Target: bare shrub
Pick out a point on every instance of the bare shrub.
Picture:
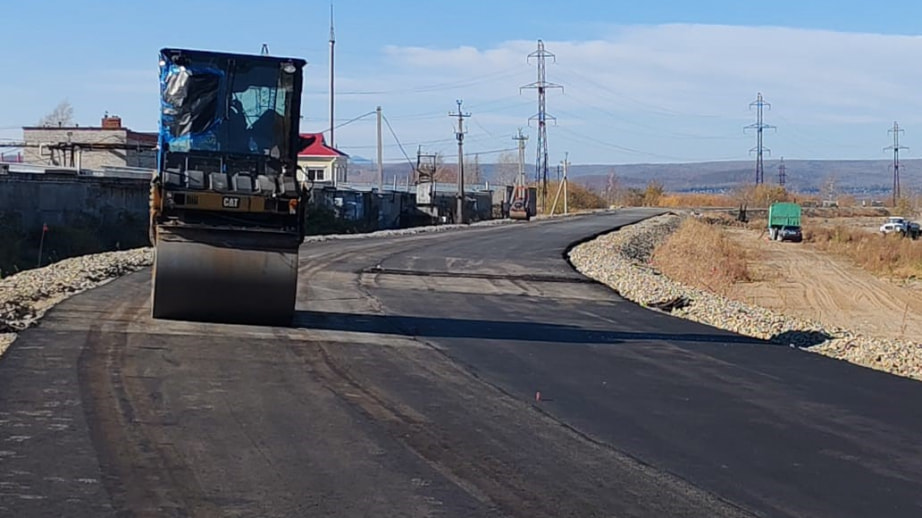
(700, 255)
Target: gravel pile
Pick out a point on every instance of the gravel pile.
(621, 260)
(26, 296)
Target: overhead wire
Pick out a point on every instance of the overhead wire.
(387, 122)
(350, 121)
(650, 107)
(453, 85)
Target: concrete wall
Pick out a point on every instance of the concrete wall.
(62, 200)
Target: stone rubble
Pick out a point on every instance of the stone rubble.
(27, 295)
(621, 260)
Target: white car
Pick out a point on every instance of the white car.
(891, 227)
(901, 225)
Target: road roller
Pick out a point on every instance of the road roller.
(518, 206)
(227, 198)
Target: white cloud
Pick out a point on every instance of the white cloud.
(682, 76)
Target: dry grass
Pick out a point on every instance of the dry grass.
(696, 200)
(890, 255)
(579, 198)
(699, 254)
(846, 212)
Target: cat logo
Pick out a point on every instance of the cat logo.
(231, 202)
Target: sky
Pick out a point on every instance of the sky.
(642, 82)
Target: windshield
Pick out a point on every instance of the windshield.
(227, 104)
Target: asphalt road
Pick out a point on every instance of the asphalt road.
(407, 388)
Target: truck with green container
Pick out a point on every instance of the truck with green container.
(784, 222)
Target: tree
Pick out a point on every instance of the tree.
(505, 169)
(444, 173)
(472, 173)
(612, 188)
(62, 115)
(653, 193)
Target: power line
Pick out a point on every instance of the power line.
(759, 126)
(452, 85)
(388, 123)
(896, 147)
(491, 152)
(542, 85)
(658, 109)
(459, 134)
(583, 137)
(350, 121)
(782, 173)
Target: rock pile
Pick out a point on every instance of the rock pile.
(26, 296)
(621, 260)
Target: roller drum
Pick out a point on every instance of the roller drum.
(230, 276)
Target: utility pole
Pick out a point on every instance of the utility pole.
(380, 153)
(542, 116)
(459, 134)
(782, 173)
(522, 140)
(332, 44)
(562, 186)
(566, 169)
(759, 126)
(896, 147)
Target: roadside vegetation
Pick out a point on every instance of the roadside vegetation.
(699, 254)
(578, 198)
(887, 255)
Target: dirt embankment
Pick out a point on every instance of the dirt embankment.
(787, 293)
(797, 279)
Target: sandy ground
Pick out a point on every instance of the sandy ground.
(797, 280)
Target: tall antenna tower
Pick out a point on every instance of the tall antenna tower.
(896, 147)
(332, 45)
(542, 116)
(759, 126)
(782, 173)
(264, 51)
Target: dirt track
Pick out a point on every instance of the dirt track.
(797, 280)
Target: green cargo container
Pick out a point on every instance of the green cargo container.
(784, 221)
(784, 215)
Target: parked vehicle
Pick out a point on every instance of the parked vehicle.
(784, 222)
(790, 234)
(902, 226)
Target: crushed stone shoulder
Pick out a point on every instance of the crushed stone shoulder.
(27, 295)
(621, 260)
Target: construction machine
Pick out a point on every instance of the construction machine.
(227, 199)
(519, 206)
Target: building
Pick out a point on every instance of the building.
(109, 145)
(320, 162)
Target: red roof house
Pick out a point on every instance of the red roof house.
(320, 161)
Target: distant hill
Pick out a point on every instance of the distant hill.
(868, 177)
(849, 176)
